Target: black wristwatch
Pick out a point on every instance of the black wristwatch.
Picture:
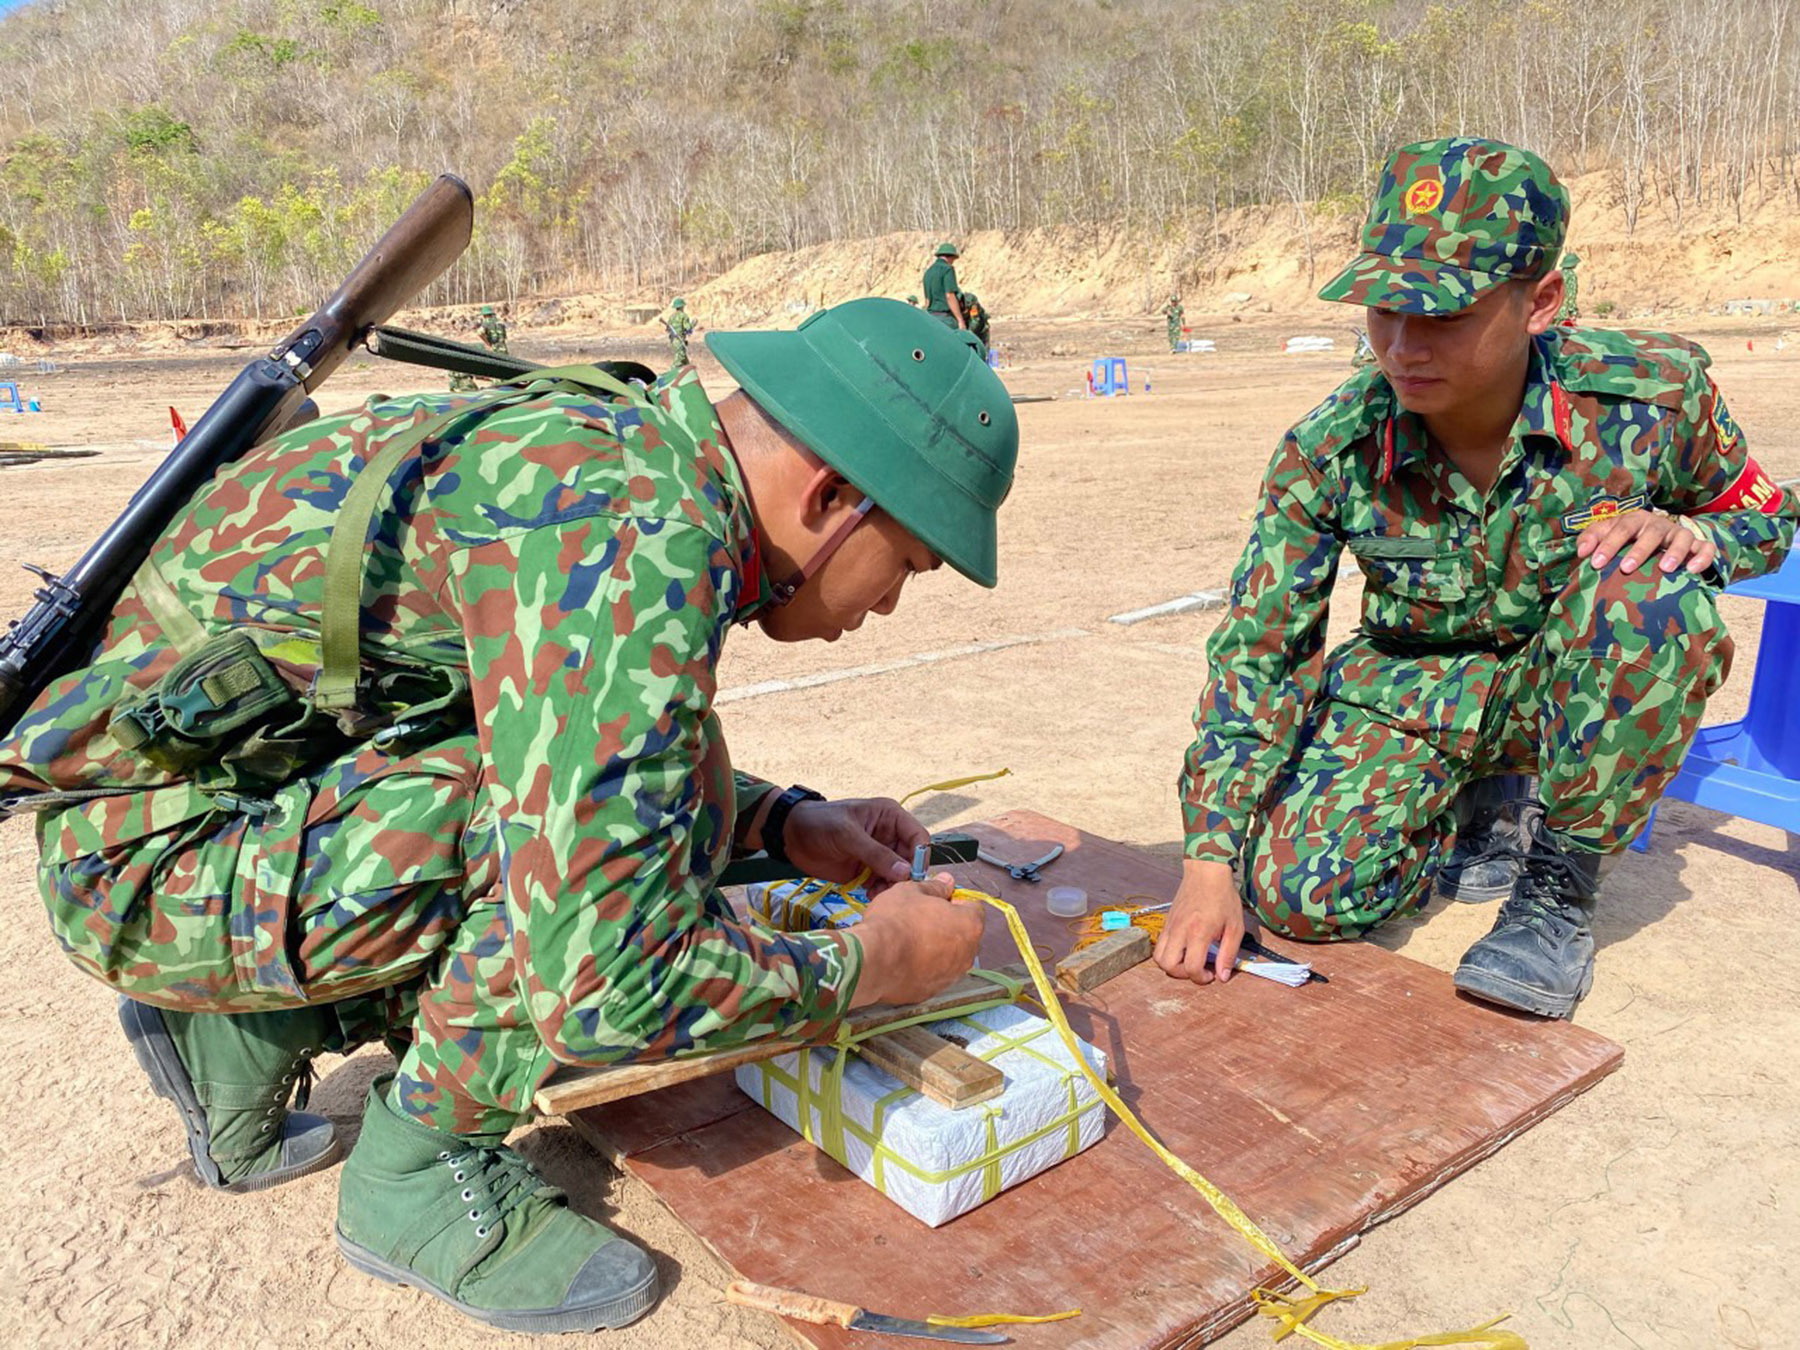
(775, 823)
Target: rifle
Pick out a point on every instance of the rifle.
(268, 396)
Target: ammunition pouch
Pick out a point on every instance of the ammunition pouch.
(227, 720)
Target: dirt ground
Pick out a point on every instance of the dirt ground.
(1656, 1211)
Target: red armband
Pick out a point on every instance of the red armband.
(1751, 490)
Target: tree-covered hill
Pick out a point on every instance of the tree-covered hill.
(163, 158)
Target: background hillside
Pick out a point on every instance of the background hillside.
(198, 158)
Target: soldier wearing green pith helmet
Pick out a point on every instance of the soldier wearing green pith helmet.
(407, 732)
(680, 326)
(1543, 517)
(1570, 313)
(943, 300)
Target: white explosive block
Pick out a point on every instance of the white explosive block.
(933, 1162)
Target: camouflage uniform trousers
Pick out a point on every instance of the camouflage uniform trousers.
(1603, 704)
(374, 886)
(678, 349)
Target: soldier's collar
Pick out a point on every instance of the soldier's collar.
(1544, 412)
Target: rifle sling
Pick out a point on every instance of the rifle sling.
(347, 552)
(425, 349)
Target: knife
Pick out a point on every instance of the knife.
(824, 1312)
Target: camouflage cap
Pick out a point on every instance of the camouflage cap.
(1452, 219)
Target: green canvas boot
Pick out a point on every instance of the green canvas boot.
(230, 1077)
(1539, 956)
(1483, 864)
(470, 1221)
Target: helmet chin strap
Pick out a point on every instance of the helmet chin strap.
(784, 591)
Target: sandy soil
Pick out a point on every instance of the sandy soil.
(1657, 1211)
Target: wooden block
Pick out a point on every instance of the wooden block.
(929, 1064)
(573, 1089)
(1112, 955)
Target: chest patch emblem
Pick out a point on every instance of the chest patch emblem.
(1601, 509)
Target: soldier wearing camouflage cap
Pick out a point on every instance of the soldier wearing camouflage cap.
(1543, 518)
(407, 730)
(943, 298)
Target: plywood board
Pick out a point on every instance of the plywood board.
(1321, 1110)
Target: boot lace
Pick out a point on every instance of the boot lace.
(494, 1181)
(1545, 898)
(299, 1080)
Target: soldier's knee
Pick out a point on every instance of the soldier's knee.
(1666, 618)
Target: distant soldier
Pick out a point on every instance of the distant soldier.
(1364, 355)
(1173, 313)
(975, 315)
(942, 298)
(1570, 313)
(493, 330)
(493, 335)
(678, 323)
(913, 300)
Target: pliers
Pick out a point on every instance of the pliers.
(1027, 871)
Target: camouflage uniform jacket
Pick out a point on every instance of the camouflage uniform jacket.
(493, 333)
(572, 564)
(1610, 422)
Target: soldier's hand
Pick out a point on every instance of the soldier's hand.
(837, 840)
(915, 941)
(1642, 535)
(1206, 910)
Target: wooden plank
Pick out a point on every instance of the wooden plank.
(1111, 956)
(1321, 1110)
(576, 1089)
(927, 1063)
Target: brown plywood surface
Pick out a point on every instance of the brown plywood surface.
(1322, 1111)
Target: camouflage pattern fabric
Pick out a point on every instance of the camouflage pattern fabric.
(1483, 643)
(537, 869)
(1602, 703)
(1173, 313)
(1452, 219)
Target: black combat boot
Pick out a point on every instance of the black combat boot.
(1483, 864)
(1539, 958)
(230, 1077)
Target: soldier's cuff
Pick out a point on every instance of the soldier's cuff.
(839, 967)
(1210, 835)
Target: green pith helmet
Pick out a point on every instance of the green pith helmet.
(678, 303)
(1571, 259)
(947, 250)
(912, 299)
(488, 310)
(901, 405)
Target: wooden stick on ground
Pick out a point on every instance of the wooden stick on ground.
(572, 1089)
(1112, 955)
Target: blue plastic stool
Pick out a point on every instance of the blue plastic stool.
(1109, 376)
(1751, 768)
(10, 397)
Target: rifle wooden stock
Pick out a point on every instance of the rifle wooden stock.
(267, 396)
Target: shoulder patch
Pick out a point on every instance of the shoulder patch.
(1349, 413)
(1636, 364)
